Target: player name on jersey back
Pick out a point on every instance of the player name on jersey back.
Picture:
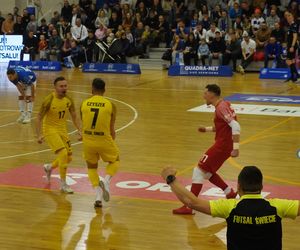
(95, 104)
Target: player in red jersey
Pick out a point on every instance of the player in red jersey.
(226, 144)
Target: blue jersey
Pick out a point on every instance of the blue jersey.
(25, 76)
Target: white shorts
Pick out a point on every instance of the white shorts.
(28, 89)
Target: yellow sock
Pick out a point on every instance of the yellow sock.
(63, 163)
(112, 168)
(93, 176)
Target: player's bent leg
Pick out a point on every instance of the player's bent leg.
(95, 181)
(22, 105)
(62, 156)
(219, 182)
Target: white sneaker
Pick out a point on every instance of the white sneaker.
(105, 188)
(65, 188)
(21, 117)
(27, 118)
(48, 171)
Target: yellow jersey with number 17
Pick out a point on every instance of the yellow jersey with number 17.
(96, 113)
(54, 111)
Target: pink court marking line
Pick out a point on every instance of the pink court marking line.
(124, 184)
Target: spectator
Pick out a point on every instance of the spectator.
(64, 28)
(216, 14)
(30, 46)
(273, 50)
(141, 40)
(136, 20)
(25, 18)
(50, 30)
(152, 22)
(256, 20)
(101, 18)
(194, 21)
(278, 33)
(199, 33)
(233, 51)
(15, 13)
(66, 48)
(293, 9)
(247, 25)
(143, 11)
(262, 36)
(55, 19)
(235, 11)
(204, 11)
(224, 23)
(66, 11)
(238, 24)
(19, 27)
(75, 16)
(212, 3)
(85, 4)
(246, 9)
(7, 27)
(217, 49)
(190, 51)
(42, 48)
(182, 31)
(1, 21)
(156, 8)
(129, 36)
(43, 29)
(128, 21)
(211, 33)
(79, 31)
(177, 46)
(248, 49)
(114, 22)
(203, 51)
(89, 45)
(162, 32)
(54, 46)
(100, 33)
(272, 19)
(206, 21)
(125, 46)
(32, 25)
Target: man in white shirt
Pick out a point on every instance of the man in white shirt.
(248, 49)
(211, 33)
(79, 31)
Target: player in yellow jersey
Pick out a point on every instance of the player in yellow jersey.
(98, 116)
(52, 127)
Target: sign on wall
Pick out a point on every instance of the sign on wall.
(10, 47)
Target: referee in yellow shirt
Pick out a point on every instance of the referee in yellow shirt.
(253, 223)
(98, 116)
(52, 127)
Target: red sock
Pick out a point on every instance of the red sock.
(196, 188)
(218, 181)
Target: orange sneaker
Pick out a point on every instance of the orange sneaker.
(231, 195)
(183, 210)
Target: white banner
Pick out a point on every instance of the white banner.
(249, 109)
(10, 47)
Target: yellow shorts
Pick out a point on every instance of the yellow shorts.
(58, 141)
(106, 150)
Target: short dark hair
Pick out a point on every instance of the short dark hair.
(214, 88)
(98, 84)
(250, 179)
(10, 72)
(58, 79)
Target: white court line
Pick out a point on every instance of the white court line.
(77, 143)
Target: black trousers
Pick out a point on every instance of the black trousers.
(231, 56)
(246, 63)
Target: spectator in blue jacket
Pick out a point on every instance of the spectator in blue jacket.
(273, 50)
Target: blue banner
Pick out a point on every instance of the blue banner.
(269, 73)
(113, 68)
(264, 98)
(37, 65)
(184, 70)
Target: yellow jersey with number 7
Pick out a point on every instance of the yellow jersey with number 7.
(96, 115)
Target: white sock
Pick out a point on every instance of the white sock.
(227, 190)
(30, 107)
(99, 193)
(62, 183)
(22, 106)
(107, 178)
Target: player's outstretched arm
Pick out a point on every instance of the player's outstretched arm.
(184, 195)
(203, 129)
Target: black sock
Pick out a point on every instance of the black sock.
(294, 73)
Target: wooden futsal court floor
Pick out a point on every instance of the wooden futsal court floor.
(155, 129)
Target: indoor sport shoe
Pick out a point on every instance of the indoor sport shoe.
(27, 118)
(183, 210)
(231, 195)
(105, 188)
(48, 171)
(66, 189)
(21, 117)
(97, 204)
